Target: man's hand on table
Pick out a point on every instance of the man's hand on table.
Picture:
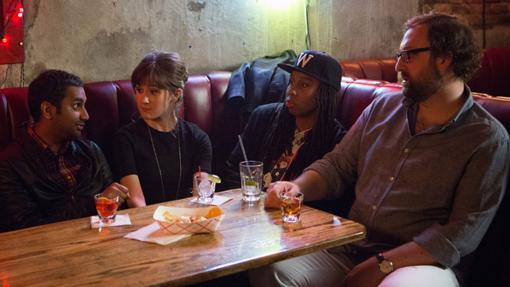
(272, 199)
(117, 189)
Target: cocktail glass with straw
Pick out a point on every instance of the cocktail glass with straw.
(251, 177)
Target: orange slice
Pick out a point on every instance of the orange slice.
(214, 211)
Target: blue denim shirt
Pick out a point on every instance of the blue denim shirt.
(440, 188)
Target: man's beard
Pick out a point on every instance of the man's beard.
(422, 87)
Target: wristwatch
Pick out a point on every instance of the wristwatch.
(385, 265)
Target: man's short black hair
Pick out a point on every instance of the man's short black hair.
(49, 86)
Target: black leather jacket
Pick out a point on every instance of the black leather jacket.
(259, 82)
(28, 197)
(255, 83)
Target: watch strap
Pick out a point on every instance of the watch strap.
(380, 257)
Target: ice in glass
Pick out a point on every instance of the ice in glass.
(251, 179)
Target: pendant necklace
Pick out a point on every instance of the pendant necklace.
(159, 166)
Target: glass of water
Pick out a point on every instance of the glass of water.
(251, 179)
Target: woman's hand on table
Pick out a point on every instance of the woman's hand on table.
(275, 190)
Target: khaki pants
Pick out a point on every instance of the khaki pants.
(324, 269)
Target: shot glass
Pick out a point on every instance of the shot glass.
(205, 188)
(106, 206)
(251, 180)
(291, 202)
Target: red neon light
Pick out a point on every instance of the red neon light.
(11, 24)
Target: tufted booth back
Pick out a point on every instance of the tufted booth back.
(492, 78)
(111, 105)
(374, 69)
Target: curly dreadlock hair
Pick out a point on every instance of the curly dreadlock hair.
(281, 133)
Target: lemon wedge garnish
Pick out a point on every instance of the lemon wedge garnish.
(250, 182)
(214, 178)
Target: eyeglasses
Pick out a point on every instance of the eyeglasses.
(406, 54)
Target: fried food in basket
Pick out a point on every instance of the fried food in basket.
(182, 219)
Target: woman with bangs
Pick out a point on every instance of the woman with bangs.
(157, 155)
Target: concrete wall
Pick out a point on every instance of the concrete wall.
(350, 29)
(496, 36)
(105, 39)
(100, 39)
(497, 18)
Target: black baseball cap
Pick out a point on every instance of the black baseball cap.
(319, 65)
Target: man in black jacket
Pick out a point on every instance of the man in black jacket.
(289, 136)
(51, 174)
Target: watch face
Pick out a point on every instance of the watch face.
(386, 266)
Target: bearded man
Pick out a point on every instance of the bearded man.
(428, 166)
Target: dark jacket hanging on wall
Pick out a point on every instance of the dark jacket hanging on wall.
(252, 84)
(259, 82)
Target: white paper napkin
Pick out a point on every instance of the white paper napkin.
(217, 200)
(153, 233)
(120, 219)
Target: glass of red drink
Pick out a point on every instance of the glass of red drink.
(291, 202)
(106, 206)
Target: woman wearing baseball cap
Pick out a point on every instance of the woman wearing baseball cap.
(289, 136)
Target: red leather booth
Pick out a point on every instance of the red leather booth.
(492, 78)
(111, 105)
(373, 69)
(494, 75)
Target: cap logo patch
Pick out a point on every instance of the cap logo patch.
(304, 59)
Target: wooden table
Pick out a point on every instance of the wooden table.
(71, 253)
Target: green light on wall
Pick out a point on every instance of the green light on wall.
(294, 8)
(279, 5)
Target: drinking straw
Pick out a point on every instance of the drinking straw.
(244, 153)
(242, 147)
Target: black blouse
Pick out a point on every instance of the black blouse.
(179, 153)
